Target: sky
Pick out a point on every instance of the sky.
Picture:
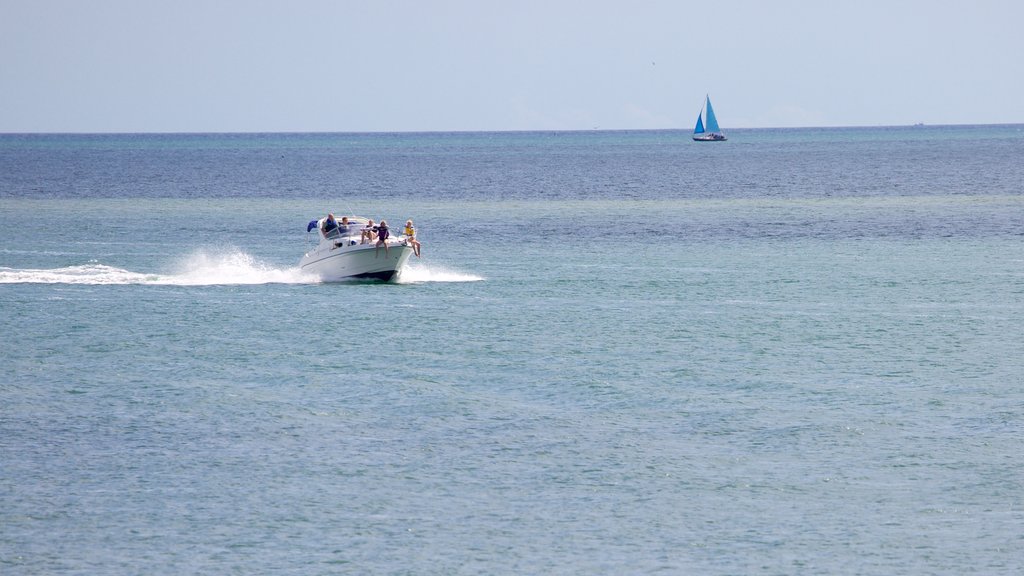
(468, 65)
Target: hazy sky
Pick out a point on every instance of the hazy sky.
(404, 65)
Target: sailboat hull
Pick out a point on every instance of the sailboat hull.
(710, 138)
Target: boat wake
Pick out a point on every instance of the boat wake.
(417, 273)
(203, 268)
(200, 268)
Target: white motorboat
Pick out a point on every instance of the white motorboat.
(344, 253)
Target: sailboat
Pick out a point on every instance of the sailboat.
(713, 133)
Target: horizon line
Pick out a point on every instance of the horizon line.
(481, 131)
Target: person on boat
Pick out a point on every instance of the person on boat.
(382, 238)
(329, 224)
(343, 226)
(410, 237)
(369, 232)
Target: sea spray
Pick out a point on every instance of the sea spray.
(208, 268)
(91, 273)
(200, 268)
(417, 273)
(203, 268)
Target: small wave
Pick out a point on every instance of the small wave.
(416, 273)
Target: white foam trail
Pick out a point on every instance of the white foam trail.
(415, 273)
(198, 269)
(235, 267)
(86, 274)
(203, 268)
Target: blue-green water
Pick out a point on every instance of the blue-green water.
(796, 352)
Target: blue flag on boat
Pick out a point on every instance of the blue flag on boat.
(311, 225)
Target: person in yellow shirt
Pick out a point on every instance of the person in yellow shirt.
(410, 237)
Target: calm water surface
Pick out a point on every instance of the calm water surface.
(796, 352)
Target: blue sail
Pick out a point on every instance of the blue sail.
(712, 121)
(699, 129)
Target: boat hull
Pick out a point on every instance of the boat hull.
(710, 138)
(337, 261)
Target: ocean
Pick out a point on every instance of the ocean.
(799, 351)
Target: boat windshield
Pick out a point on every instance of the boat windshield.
(343, 231)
